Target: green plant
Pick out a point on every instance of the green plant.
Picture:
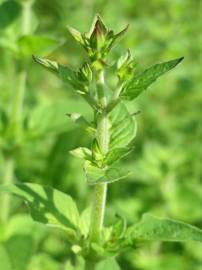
(113, 129)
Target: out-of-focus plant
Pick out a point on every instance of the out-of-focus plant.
(112, 129)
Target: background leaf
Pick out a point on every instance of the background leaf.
(5, 259)
(108, 264)
(35, 44)
(9, 11)
(20, 249)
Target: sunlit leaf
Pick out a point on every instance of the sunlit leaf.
(82, 152)
(95, 175)
(116, 154)
(47, 205)
(143, 80)
(123, 127)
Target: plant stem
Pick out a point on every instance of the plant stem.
(100, 192)
(8, 178)
(18, 99)
(15, 121)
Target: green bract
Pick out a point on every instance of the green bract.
(112, 128)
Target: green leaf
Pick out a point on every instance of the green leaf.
(76, 34)
(97, 155)
(116, 154)
(142, 81)
(47, 205)
(163, 229)
(123, 127)
(119, 227)
(47, 64)
(9, 11)
(77, 80)
(82, 152)
(95, 175)
(110, 264)
(117, 37)
(33, 44)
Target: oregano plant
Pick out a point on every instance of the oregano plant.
(112, 129)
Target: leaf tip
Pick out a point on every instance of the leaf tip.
(180, 59)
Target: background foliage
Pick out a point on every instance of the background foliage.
(166, 160)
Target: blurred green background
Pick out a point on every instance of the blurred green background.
(166, 161)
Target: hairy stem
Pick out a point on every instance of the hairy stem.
(100, 192)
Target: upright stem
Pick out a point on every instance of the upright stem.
(18, 99)
(7, 178)
(100, 190)
(19, 93)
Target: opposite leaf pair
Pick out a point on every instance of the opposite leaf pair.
(54, 208)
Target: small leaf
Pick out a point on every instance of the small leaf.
(123, 127)
(125, 67)
(78, 119)
(96, 152)
(79, 80)
(33, 44)
(76, 34)
(119, 227)
(47, 205)
(163, 229)
(82, 122)
(46, 63)
(142, 81)
(99, 31)
(95, 175)
(116, 154)
(82, 152)
(99, 24)
(117, 37)
(70, 76)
